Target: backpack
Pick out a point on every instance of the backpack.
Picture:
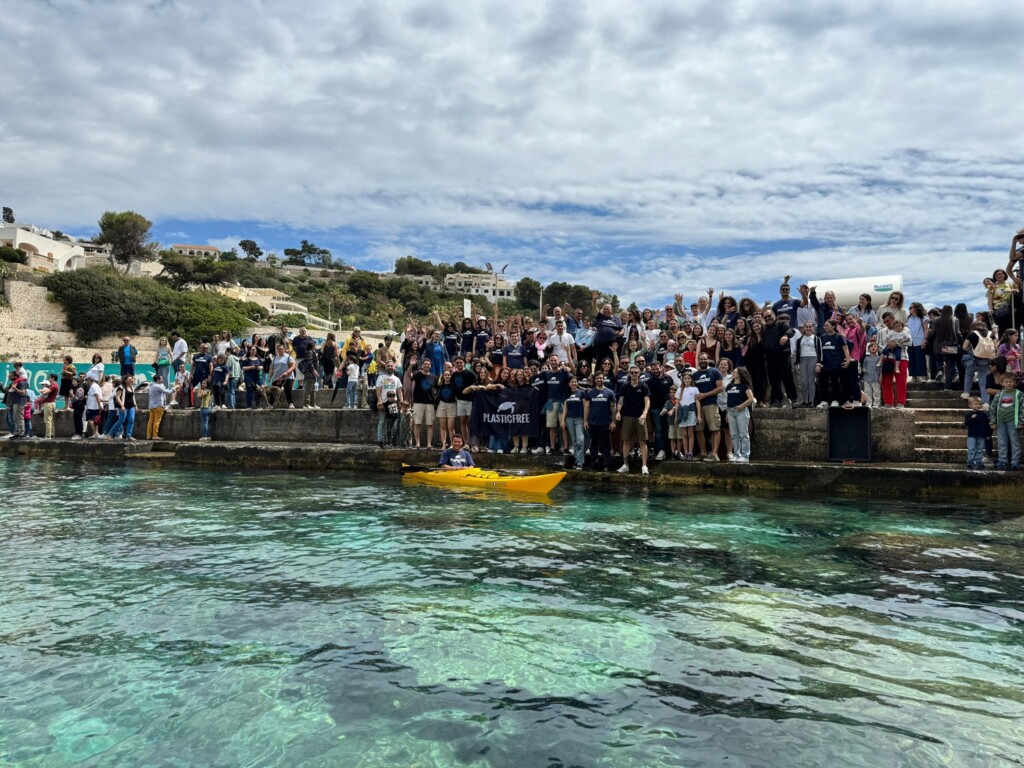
(985, 349)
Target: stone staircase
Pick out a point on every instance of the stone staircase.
(939, 435)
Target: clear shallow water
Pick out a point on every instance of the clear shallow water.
(182, 617)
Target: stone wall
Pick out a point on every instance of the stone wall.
(779, 435)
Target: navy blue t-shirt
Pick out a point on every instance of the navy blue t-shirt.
(736, 393)
(482, 337)
(558, 384)
(706, 380)
(201, 368)
(832, 350)
(220, 374)
(540, 384)
(574, 404)
(452, 339)
(467, 342)
(601, 403)
(607, 328)
(453, 458)
(787, 306)
(515, 355)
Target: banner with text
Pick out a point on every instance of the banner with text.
(506, 413)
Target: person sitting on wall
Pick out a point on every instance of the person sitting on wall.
(456, 457)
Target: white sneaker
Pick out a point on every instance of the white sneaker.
(538, 451)
(291, 407)
(730, 457)
(659, 457)
(823, 404)
(835, 403)
(965, 395)
(644, 470)
(623, 470)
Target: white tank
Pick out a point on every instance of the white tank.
(849, 289)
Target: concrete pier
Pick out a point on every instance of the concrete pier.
(796, 478)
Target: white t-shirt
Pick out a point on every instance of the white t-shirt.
(352, 369)
(559, 345)
(95, 373)
(388, 383)
(687, 395)
(180, 350)
(92, 400)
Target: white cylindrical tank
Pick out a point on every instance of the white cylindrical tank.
(849, 289)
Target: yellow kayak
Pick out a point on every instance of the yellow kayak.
(473, 477)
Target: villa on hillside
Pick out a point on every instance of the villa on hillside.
(490, 284)
(209, 251)
(47, 253)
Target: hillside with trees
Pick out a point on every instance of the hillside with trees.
(100, 301)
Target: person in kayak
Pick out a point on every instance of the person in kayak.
(456, 457)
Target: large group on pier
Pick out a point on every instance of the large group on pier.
(681, 380)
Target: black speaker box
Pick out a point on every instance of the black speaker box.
(849, 434)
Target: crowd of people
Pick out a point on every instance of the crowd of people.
(681, 381)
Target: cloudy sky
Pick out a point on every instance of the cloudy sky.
(643, 148)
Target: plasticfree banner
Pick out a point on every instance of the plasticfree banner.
(506, 413)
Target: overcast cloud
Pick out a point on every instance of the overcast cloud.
(700, 143)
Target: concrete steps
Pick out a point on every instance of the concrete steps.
(939, 434)
(941, 455)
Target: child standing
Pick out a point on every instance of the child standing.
(873, 376)
(392, 414)
(1005, 417)
(687, 415)
(976, 421)
(690, 355)
(352, 385)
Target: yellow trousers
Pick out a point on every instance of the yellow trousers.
(156, 415)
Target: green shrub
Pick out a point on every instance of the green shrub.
(291, 319)
(99, 302)
(13, 255)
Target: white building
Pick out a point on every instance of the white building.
(209, 251)
(424, 281)
(45, 253)
(491, 284)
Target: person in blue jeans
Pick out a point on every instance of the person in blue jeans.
(115, 412)
(572, 421)
(204, 402)
(128, 425)
(1004, 415)
(976, 422)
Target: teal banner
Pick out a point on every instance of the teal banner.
(38, 372)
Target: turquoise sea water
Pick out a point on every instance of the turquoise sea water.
(184, 618)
